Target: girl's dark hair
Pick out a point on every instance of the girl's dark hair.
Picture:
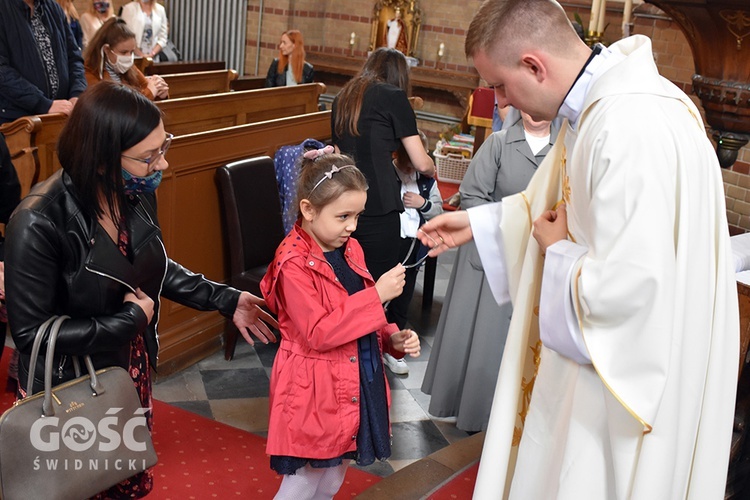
(384, 65)
(112, 32)
(312, 171)
(108, 118)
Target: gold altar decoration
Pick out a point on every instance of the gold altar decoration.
(398, 19)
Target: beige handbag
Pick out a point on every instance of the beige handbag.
(76, 439)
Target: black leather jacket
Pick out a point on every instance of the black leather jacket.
(276, 79)
(59, 261)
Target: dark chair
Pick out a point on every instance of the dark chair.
(252, 215)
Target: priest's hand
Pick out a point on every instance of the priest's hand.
(551, 227)
(250, 318)
(445, 231)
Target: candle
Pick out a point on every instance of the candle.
(351, 39)
(626, 12)
(602, 16)
(595, 4)
(441, 49)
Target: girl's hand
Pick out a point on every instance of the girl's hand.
(406, 341)
(413, 200)
(144, 301)
(391, 283)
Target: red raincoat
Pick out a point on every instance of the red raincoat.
(314, 394)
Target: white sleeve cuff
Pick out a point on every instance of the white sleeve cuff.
(556, 302)
(485, 225)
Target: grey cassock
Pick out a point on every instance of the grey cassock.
(470, 337)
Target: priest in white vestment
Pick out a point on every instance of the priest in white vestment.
(619, 375)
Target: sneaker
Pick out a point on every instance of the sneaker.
(397, 366)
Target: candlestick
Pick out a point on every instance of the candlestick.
(352, 39)
(441, 50)
(627, 11)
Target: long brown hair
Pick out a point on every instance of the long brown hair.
(69, 9)
(384, 65)
(112, 32)
(298, 55)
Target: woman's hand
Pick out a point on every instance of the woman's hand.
(144, 301)
(391, 283)
(158, 87)
(406, 341)
(249, 317)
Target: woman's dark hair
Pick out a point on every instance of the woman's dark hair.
(320, 195)
(112, 32)
(108, 118)
(384, 65)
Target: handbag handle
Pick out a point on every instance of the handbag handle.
(55, 322)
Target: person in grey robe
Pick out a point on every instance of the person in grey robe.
(470, 337)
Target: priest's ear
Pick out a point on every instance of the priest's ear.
(535, 65)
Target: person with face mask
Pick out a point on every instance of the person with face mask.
(86, 243)
(110, 56)
(94, 18)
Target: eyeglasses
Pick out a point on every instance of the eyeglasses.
(154, 157)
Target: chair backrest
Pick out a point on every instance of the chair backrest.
(252, 212)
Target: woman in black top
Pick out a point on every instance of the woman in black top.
(371, 119)
(290, 68)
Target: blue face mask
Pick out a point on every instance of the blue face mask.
(138, 185)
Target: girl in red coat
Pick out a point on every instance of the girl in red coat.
(329, 396)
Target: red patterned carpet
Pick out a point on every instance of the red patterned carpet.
(201, 458)
(460, 487)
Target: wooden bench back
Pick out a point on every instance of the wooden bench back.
(172, 67)
(196, 114)
(200, 83)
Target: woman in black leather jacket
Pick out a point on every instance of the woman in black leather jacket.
(86, 243)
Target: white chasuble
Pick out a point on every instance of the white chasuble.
(655, 298)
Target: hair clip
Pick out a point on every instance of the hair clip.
(315, 153)
(329, 174)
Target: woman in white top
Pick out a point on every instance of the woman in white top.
(148, 20)
(92, 19)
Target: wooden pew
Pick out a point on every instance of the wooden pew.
(249, 83)
(36, 134)
(196, 114)
(23, 152)
(170, 68)
(190, 217)
(181, 116)
(200, 82)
